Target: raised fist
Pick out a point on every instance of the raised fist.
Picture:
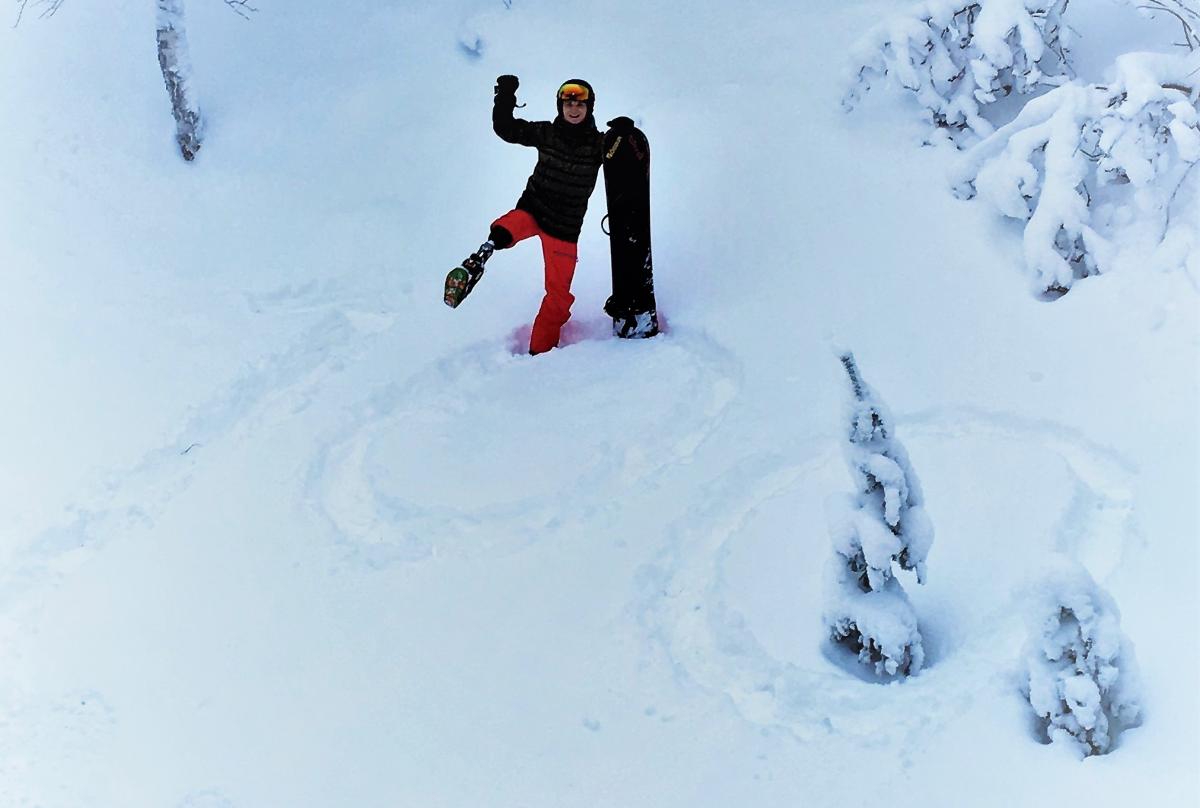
(507, 85)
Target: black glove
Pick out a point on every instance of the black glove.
(621, 126)
(507, 85)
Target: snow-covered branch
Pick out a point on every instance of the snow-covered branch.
(48, 8)
(1185, 12)
(882, 524)
(958, 56)
(242, 8)
(1066, 163)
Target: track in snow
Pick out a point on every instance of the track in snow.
(479, 450)
(733, 602)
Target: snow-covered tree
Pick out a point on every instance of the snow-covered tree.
(881, 525)
(958, 56)
(1081, 676)
(174, 61)
(176, 66)
(1085, 158)
(1081, 163)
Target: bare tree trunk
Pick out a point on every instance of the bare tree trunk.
(176, 67)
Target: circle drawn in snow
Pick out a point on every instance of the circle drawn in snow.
(513, 441)
(528, 435)
(736, 598)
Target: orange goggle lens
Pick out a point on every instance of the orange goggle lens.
(573, 92)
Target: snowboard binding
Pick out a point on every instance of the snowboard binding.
(632, 322)
(462, 279)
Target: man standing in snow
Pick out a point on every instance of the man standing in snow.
(570, 153)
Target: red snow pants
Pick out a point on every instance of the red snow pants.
(560, 257)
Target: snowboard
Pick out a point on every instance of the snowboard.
(627, 189)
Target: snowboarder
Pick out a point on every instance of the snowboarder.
(570, 153)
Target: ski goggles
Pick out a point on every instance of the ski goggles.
(573, 92)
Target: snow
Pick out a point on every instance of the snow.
(279, 528)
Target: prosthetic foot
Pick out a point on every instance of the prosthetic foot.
(462, 279)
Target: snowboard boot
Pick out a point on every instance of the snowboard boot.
(462, 279)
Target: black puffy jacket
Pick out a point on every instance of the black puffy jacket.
(569, 160)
